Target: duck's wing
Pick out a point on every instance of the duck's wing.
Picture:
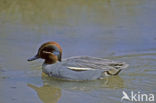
(80, 68)
(84, 63)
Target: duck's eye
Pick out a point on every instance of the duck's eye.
(48, 50)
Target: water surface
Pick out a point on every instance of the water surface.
(121, 30)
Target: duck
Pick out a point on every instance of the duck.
(77, 68)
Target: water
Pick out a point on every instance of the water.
(121, 30)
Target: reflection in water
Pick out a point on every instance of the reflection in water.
(46, 93)
(114, 82)
(107, 82)
(51, 91)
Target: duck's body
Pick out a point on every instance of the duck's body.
(83, 68)
(76, 68)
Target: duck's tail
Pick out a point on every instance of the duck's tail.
(115, 68)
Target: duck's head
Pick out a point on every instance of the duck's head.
(51, 52)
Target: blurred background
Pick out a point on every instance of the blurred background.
(122, 30)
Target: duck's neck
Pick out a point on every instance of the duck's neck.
(44, 66)
(49, 61)
(47, 68)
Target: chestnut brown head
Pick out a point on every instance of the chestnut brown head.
(50, 51)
